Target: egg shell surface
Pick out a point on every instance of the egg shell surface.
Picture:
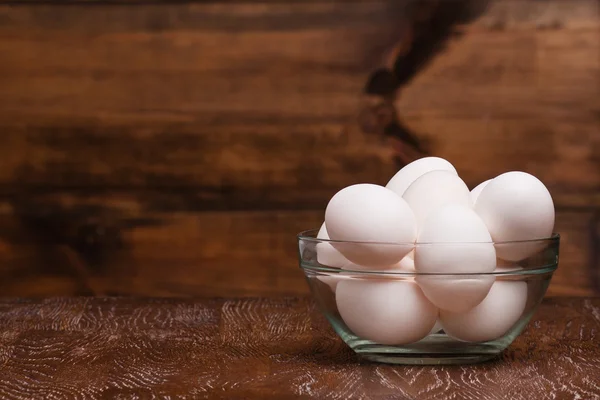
(490, 319)
(406, 265)
(436, 328)
(455, 293)
(433, 190)
(327, 254)
(506, 266)
(477, 190)
(410, 172)
(454, 239)
(516, 206)
(384, 311)
(366, 213)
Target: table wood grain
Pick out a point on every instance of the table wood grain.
(117, 348)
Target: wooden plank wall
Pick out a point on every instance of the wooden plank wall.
(177, 148)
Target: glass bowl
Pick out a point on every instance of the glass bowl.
(396, 315)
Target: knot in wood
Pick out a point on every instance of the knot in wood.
(376, 115)
(95, 241)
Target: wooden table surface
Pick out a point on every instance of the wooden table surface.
(116, 348)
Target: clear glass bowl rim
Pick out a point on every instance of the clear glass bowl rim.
(310, 236)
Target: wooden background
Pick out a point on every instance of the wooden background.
(175, 149)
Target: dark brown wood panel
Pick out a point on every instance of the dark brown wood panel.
(131, 251)
(203, 136)
(224, 100)
(277, 348)
(232, 166)
(595, 251)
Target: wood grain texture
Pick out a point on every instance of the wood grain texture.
(595, 253)
(280, 348)
(267, 98)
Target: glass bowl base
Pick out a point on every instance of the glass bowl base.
(427, 359)
(436, 349)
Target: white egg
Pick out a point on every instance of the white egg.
(436, 328)
(371, 213)
(477, 190)
(454, 240)
(330, 280)
(405, 266)
(409, 173)
(348, 272)
(407, 263)
(455, 293)
(492, 318)
(322, 234)
(327, 254)
(385, 311)
(516, 206)
(506, 266)
(434, 190)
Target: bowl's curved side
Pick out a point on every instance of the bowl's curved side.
(437, 347)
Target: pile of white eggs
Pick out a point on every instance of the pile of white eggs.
(427, 222)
